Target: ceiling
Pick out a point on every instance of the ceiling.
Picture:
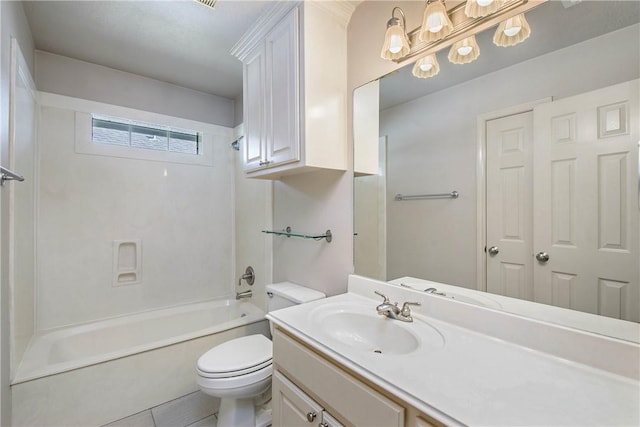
(180, 41)
(552, 27)
(186, 43)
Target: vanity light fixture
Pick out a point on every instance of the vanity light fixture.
(512, 31)
(396, 42)
(478, 8)
(464, 51)
(426, 67)
(436, 23)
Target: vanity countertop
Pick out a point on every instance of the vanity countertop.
(480, 378)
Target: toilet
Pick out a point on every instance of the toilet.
(239, 370)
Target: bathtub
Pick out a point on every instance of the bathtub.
(94, 373)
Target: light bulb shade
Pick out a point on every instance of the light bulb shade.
(512, 31)
(464, 51)
(396, 42)
(426, 67)
(436, 23)
(478, 8)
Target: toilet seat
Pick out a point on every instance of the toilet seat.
(249, 356)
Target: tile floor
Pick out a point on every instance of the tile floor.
(193, 410)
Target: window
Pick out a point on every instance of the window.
(131, 133)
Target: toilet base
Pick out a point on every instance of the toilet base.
(263, 418)
(242, 413)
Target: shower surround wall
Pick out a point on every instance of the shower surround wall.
(181, 214)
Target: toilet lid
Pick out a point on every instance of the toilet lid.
(237, 355)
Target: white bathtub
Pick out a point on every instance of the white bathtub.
(136, 361)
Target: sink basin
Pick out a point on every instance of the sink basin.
(368, 333)
(360, 328)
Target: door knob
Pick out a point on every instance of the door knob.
(542, 256)
(493, 250)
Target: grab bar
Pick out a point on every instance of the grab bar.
(451, 195)
(7, 175)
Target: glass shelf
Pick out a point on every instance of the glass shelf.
(287, 232)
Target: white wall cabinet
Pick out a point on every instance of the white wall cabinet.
(294, 90)
(306, 382)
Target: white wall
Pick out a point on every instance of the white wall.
(312, 203)
(432, 149)
(253, 213)
(13, 23)
(79, 79)
(183, 215)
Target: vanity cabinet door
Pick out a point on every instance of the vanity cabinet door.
(291, 406)
(345, 396)
(329, 421)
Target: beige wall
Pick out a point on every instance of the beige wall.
(366, 34)
(79, 79)
(13, 24)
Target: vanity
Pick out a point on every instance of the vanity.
(337, 362)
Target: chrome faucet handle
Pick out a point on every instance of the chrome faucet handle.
(386, 308)
(406, 311)
(386, 298)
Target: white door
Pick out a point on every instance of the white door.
(586, 202)
(509, 206)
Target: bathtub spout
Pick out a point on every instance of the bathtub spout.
(245, 294)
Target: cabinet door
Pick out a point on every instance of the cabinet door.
(291, 406)
(329, 421)
(283, 91)
(254, 109)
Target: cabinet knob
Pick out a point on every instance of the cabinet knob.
(311, 416)
(323, 425)
(264, 162)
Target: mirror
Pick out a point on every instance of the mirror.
(436, 137)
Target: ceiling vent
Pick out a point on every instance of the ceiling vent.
(210, 3)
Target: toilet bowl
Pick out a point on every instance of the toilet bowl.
(236, 371)
(239, 370)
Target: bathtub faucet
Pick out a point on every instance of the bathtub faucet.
(249, 275)
(245, 294)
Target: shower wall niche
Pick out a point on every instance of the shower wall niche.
(127, 262)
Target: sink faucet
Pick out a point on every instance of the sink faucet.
(392, 311)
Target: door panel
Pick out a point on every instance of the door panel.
(586, 202)
(509, 205)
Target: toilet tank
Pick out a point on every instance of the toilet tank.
(287, 294)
